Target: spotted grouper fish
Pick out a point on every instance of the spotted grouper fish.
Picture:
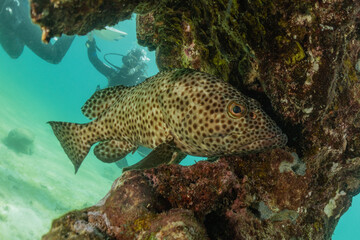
(175, 113)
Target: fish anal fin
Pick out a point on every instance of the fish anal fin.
(165, 153)
(113, 150)
(101, 100)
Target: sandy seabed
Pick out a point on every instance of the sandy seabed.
(40, 187)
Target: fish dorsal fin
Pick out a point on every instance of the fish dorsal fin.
(101, 100)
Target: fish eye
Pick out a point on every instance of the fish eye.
(236, 110)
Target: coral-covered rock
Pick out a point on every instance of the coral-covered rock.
(80, 17)
(229, 199)
(145, 204)
(300, 59)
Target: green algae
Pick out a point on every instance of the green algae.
(351, 71)
(143, 223)
(318, 226)
(297, 55)
(294, 52)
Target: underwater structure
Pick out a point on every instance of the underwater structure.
(298, 58)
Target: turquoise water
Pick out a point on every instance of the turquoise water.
(39, 187)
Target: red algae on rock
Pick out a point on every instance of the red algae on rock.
(145, 204)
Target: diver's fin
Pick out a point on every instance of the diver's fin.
(165, 153)
(143, 151)
(100, 101)
(122, 163)
(109, 33)
(112, 150)
(72, 141)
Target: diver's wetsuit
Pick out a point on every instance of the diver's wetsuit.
(121, 76)
(17, 30)
(104, 69)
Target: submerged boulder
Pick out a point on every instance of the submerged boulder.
(20, 140)
(145, 205)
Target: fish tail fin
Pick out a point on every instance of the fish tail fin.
(73, 141)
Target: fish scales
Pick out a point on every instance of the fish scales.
(182, 111)
(129, 118)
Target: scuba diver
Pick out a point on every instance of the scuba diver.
(17, 31)
(132, 72)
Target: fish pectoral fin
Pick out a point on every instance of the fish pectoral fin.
(177, 157)
(113, 150)
(100, 101)
(165, 153)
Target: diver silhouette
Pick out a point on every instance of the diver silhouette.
(132, 71)
(17, 31)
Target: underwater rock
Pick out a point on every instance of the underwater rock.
(300, 60)
(145, 205)
(80, 17)
(231, 198)
(20, 140)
